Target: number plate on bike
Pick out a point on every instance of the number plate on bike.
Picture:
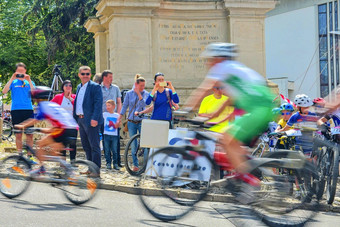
(293, 132)
(335, 130)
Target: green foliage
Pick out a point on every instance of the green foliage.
(42, 33)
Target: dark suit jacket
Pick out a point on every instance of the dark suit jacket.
(92, 104)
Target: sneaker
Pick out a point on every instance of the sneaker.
(135, 169)
(32, 161)
(108, 166)
(116, 167)
(39, 171)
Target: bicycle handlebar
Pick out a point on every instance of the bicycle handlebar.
(27, 130)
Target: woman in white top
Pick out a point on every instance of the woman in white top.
(66, 100)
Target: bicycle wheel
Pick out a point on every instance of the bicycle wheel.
(176, 177)
(276, 205)
(332, 175)
(135, 161)
(321, 165)
(7, 130)
(258, 151)
(14, 176)
(82, 182)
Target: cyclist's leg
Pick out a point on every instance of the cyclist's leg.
(48, 141)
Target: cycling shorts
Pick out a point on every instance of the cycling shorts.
(62, 135)
(255, 121)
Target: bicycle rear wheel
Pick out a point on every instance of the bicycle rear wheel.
(140, 155)
(277, 205)
(332, 175)
(175, 177)
(82, 182)
(14, 176)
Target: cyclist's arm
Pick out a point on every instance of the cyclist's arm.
(147, 110)
(197, 95)
(286, 128)
(322, 120)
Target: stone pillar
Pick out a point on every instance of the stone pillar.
(246, 28)
(101, 51)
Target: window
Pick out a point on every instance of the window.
(328, 47)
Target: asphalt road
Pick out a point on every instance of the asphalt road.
(43, 205)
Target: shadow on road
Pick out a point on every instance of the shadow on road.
(25, 205)
(157, 223)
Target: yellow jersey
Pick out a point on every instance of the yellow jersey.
(209, 105)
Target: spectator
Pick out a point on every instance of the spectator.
(111, 135)
(111, 92)
(98, 78)
(89, 114)
(20, 85)
(211, 104)
(135, 101)
(66, 100)
(163, 94)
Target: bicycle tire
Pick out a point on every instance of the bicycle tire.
(257, 151)
(321, 164)
(128, 156)
(292, 213)
(82, 182)
(14, 176)
(332, 176)
(171, 198)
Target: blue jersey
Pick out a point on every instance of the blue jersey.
(21, 99)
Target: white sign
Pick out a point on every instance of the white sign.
(335, 130)
(175, 165)
(293, 132)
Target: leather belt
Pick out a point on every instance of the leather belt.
(80, 116)
(135, 122)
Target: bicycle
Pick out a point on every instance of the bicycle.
(7, 131)
(326, 155)
(272, 202)
(140, 154)
(78, 186)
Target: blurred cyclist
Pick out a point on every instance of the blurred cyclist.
(286, 112)
(63, 125)
(247, 90)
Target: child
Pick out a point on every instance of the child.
(111, 135)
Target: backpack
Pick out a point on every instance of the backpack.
(123, 92)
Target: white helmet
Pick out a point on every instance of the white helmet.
(220, 50)
(303, 100)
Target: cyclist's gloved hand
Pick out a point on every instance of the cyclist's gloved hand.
(273, 134)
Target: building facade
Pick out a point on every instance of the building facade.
(302, 53)
(151, 36)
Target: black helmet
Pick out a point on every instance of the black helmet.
(158, 74)
(41, 92)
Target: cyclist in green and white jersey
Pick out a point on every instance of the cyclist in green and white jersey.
(247, 90)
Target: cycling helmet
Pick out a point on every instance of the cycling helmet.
(220, 50)
(276, 111)
(303, 100)
(41, 92)
(287, 106)
(319, 101)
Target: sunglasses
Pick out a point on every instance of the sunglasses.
(68, 85)
(218, 88)
(286, 113)
(83, 74)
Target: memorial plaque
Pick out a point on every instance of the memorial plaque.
(181, 42)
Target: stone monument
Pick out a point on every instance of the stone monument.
(149, 36)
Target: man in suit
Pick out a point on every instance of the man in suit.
(88, 113)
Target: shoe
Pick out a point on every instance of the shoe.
(108, 166)
(73, 162)
(31, 161)
(135, 169)
(115, 166)
(39, 171)
(120, 165)
(243, 186)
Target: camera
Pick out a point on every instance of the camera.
(20, 75)
(56, 69)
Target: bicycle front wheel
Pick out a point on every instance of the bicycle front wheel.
(135, 156)
(14, 176)
(332, 175)
(7, 130)
(176, 178)
(82, 182)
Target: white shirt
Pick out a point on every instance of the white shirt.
(80, 99)
(67, 105)
(109, 119)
